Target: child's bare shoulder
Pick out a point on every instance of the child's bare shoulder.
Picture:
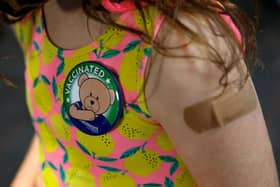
(186, 72)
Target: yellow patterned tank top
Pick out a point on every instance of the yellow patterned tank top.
(90, 113)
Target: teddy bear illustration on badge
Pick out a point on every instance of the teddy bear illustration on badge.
(95, 100)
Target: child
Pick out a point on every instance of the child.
(130, 93)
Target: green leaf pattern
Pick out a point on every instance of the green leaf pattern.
(43, 165)
(168, 158)
(107, 159)
(168, 182)
(36, 81)
(147, 52)
(45, 79)
(60, 68)
(61, 173)
(52, 165)
(36, 46)
(173, 160)
(129, 152)
(65, 158)
(39, 120)
(83, 148)
(131, 45)
(54, 87)
(152, 185)
(111, 169)
(110, 53)
(174, 168)
(61, 145)
(138, 109)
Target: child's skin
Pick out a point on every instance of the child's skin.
(26, 175)
(238, 155)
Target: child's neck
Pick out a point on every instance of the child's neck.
(67, 24)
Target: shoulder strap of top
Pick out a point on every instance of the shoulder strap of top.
(230, 23)
(150, 23)
(24, 31)
(154, 20)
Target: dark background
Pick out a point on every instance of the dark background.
(16, 130)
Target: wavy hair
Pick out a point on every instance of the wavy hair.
(209, 9)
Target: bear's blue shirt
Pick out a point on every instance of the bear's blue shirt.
(100, 125)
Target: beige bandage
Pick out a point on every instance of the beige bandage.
(219, 112)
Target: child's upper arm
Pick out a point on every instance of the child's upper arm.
(227, 156)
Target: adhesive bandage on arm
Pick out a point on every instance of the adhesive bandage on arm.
(215, 113)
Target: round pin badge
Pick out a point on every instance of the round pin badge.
(92, 98)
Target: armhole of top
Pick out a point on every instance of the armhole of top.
(147, 50)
